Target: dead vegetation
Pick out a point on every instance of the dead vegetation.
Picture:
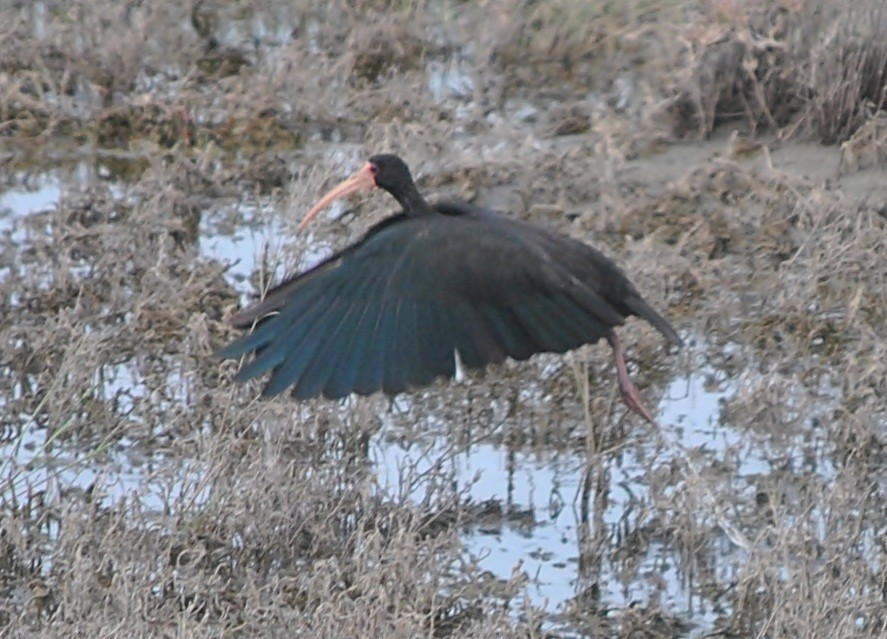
(798, 67)
(142, 493)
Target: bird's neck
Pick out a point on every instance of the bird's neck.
(412, 202)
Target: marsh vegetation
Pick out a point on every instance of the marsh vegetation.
(156, 158)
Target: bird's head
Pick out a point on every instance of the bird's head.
(386, 171)
(389, 171)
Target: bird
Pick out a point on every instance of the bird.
(430, 285)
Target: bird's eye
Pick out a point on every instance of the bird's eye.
(373, 168)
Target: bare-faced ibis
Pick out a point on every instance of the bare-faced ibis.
(391, 311)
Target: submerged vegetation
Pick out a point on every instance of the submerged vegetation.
(729, 154)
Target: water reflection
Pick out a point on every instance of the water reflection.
(547, 522)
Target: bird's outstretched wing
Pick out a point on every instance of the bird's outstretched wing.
(390, 311)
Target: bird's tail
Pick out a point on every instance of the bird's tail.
(643, 310)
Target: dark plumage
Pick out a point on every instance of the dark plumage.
(389, 311)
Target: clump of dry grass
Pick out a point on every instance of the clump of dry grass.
(796, 67)
(847, 74)
(867, 147)
(576, 41)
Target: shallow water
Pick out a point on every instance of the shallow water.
(543, 491)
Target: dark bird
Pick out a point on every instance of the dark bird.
(391, 311)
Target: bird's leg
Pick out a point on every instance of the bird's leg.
(630, 394)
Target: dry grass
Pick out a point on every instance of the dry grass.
(143, 494)
(798, 67)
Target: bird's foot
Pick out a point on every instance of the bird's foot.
(630, 394)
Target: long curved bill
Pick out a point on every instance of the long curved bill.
(362, 179)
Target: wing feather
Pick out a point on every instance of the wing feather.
(435, 346)
(280, 335)
(369, 371)
(349, 370)
(298, 353)
(312, 379)
(339, 338)
(512, 336)
(401, 356)
(389, 311)
(460, 318)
